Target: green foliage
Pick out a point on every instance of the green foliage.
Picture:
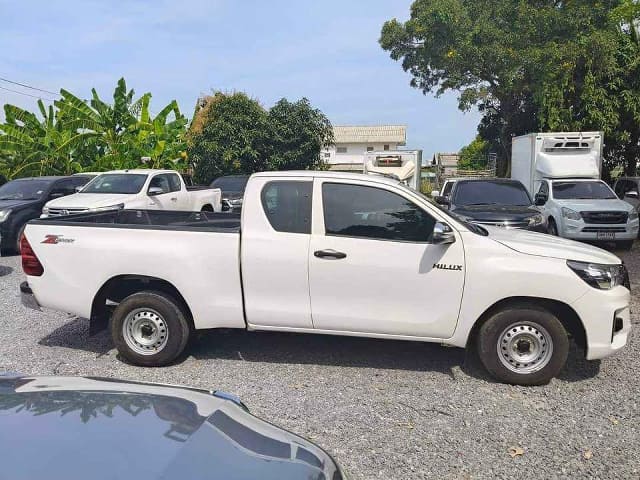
(527, 66)
(74, 135)
(234, 134)
(474, 155)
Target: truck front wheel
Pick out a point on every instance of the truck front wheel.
(524, 345)
(149, 329)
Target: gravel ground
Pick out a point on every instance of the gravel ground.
(384, 409)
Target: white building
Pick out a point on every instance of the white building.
(353, 141)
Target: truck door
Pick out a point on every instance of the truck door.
(165, 200)
(372, 268)
(179, 193)
(275, 252)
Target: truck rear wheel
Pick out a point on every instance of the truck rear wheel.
(149, 329)
(523, 345)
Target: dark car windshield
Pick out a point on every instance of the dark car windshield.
(595, 190)
(230, 184)
(122, 183)
(24, 189)
(491, 193)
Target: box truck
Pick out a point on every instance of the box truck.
(562, 172)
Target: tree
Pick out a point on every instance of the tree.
(226, 136)
(474, 155)
(234, 134)
(524, 64)
(297, 133)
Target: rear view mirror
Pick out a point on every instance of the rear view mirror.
(153, 191)
(540, 200)
(631, 194)
(442, 234)
(440, 200)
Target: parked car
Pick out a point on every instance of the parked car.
(150, 189)
(331, 253)
(562, 171)
(498, 202)
(232, 187)
(22, 200)
(74, 427)
(3, 180)
(445, 190)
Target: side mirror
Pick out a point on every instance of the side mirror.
(440, 200)
(58, 194)
(153, 191)
(78, 189)
(435, 193)
(442, 234)
(540, 200)
(631, 194)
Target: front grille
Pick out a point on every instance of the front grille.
(609, 218)
(604, 229)
(61, 212)
(503, 224)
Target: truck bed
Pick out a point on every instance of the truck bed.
(151, 220)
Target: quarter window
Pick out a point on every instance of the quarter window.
(370, 212)
(287, 205)
(174, 182)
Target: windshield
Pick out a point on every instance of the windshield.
(230, 184)
(122, 183)
(595, 190)
(491, 193)
(24, 189)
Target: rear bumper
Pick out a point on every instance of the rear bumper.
(606, 318)
(27, 297)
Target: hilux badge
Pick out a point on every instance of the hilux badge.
(443, 266)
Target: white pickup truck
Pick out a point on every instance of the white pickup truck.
(136, 188)
(331, 253)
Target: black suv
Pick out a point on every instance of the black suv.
(22, 200)
(498, 202)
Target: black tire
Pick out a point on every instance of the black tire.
(526, 321)
(173, 318)
(207, 208)
(624, 245)
(552, 228)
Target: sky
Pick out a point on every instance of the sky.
(326, 51)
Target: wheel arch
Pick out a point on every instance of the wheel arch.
(564, 312)
(119, 287)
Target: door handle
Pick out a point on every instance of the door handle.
(329, 253)
(174, 199)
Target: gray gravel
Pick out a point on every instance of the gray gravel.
(384, 409)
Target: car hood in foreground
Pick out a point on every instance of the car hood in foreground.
(543, 245)
(70, 427)
(89, 200)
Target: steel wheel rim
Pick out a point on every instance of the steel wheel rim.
(145, 331)
(525, 347)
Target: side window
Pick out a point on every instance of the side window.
(370, 212)
(160, 181)
(446, 191)
(620, 188)
(80, 181)
(63, 187)
(174, 182)
(287, 205)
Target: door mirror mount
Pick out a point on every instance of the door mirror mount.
(442, 200)
(154, 191)
(442, 234)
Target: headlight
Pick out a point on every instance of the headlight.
(235, 201)
(4, 214)
(602, 277)
(536, 220)
(570, 214)
(633, 216)
(45, 210)
(120, 206)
